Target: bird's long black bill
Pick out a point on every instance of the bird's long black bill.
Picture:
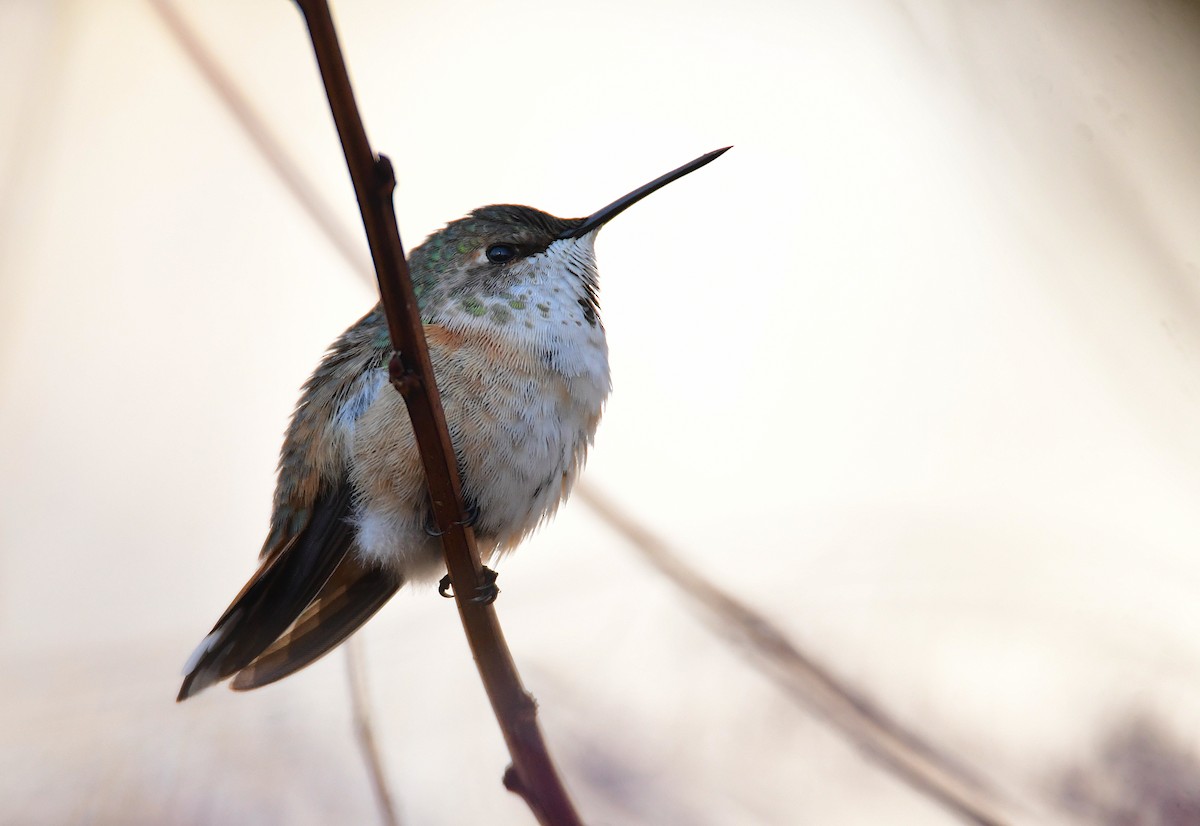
(623, 203)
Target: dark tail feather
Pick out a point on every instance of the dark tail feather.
(275, 596)
(351, 597)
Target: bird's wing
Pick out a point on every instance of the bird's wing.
(285, 584)
(352, 595)
(310, 539)
(313, 453)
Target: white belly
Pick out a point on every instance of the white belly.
(521, 432)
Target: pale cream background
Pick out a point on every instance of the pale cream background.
(913, 368)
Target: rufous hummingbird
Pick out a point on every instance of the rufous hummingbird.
(508, 297)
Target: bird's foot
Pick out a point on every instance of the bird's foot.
(485, 592)
(472, 516)
(471, 510)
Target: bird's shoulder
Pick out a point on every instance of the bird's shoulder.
(313, 455)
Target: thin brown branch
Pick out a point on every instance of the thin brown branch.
(880, 738)
(536, 778)
(364, 732)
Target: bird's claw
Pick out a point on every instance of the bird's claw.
(471, 511)
(472, 516)
(485, 592)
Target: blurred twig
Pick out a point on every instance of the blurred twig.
(810, 684)
(364, 731)
(1142, 774)
(880, 738)
(268, 144)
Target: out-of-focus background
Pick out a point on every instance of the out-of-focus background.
(955, 453)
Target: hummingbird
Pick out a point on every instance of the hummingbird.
(508, 297)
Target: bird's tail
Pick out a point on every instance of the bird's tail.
(302, 602)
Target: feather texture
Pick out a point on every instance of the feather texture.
(521, 360)
(284, 585)
(351, 597)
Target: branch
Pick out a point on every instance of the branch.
(908, 756)
(268, 143)
(364, 732)
(532, 774)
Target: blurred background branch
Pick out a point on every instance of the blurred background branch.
(364, 731)
(915, 759)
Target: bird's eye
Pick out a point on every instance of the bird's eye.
(501, 253)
